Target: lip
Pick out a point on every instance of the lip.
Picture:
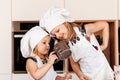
(47, 49)
(61, 37)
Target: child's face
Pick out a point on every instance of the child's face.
(61, 32)
(43, 46)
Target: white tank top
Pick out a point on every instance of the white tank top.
(92, 62)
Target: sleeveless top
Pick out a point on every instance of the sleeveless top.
(92, 62)
(50, 75)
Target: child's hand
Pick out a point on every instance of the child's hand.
(83, 77)
(68, 76)
(117, 76)
(52, 58)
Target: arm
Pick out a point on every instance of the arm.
(36, 72)
(77, 70)
(99, 26)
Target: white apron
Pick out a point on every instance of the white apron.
(92, 62)
(50, 75)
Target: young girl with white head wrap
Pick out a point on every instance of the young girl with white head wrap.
(87, 60)
(35, 47)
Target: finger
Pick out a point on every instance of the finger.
(86, 78)
(69, 76)
(52, 52)
(54, 55)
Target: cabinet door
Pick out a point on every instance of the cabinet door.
(92, 9)
(29, 10)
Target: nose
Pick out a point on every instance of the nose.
(56, 35)
(48, 45)
(60, 36)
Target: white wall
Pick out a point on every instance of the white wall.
(29, 10)
(79, 9)
(118, 9)
(5, 40)
(92, 9)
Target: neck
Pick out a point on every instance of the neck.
(41, 56)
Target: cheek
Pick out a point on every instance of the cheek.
(64, 29)
(39, 50)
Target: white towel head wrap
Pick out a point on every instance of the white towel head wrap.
(54, 17)
(30, 40)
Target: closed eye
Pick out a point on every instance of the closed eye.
(56, 30)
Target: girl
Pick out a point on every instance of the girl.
(35, 47)
(87, 60)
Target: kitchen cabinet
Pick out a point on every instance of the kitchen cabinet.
(92, 9)
(31, 10)
(24, 10)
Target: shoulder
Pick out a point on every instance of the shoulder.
(31, 60)
(30, 63)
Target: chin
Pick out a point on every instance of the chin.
(65, 38)
(45, 53)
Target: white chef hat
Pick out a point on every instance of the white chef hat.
(54, 17)
(30, 40)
